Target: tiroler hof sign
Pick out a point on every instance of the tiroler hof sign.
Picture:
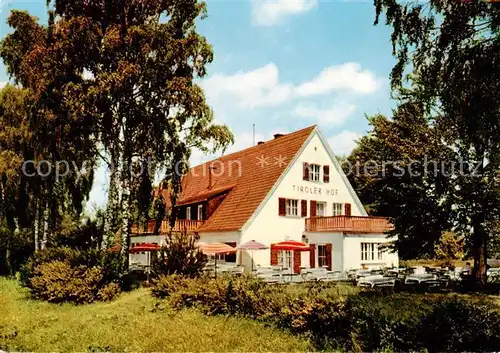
(315, 190)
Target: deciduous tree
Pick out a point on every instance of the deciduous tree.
(452, 49)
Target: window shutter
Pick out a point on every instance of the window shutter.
(303, 204)
(326, 173)
(305, 176)
(204, 212)
(274, 256)
(347, 207)
(328, 256)
(296, 261)
(312, 208)
(312, 256)
(282, 207)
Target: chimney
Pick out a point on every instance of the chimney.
(260, 142)
(210, 168)
(278, 136)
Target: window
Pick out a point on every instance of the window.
(380, 252)
(371, 252)
(315, 170)
(188, 213)
(285, 258)
(322, 256)
(320, 209)
(337, 209)
(200, 212)
(292, 207)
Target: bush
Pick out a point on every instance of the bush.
(109, 262)
(179, 256)
(58, 282)
(463, 326)
(367, 321)
(68, 275)
(314, 312)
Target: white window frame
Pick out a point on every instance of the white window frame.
(285, 259)
(292, 208)
(322, 255)
(337, 209)
(371, 252)
(188, 213)
(315, 173)
(321, 205)
(380, 252)
(200, 212)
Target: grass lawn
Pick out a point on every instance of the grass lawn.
(130, 323)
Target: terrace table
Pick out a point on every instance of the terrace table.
(376, 281)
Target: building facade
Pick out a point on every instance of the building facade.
(289, 188)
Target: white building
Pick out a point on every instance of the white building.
(288, 188)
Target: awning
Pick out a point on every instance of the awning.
(290, 245)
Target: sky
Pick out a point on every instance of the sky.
(282, 65)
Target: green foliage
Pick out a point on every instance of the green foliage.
(58, 282)
(334, 318)
(15, 249)
(393, 170)
(79, 234)
(453, 49)
(450, 247)
(66, 274)
(178, 256)
(126, 91)
(463, 327)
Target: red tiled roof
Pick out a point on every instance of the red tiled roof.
(248, 181)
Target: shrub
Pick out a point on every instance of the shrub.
(58, 282)
(462, 326)
(179, 256)
(365, 321)
(68, 275)
(108, 262)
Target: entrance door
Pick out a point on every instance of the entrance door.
(285, 259)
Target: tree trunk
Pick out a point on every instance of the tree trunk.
(111, 221)
(36, 226)
(46, 219)
(480, 239)
(125, 215)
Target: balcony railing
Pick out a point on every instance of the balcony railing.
(348, 224)
(181, 225)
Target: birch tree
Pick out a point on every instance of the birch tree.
(127, 70)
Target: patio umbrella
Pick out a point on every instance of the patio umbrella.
(136, 249)
(252, 245)
(144, 247)
(199, 244)
(290, 245)
(216, 248)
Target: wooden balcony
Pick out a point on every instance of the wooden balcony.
(348, 224)
(181, 225)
